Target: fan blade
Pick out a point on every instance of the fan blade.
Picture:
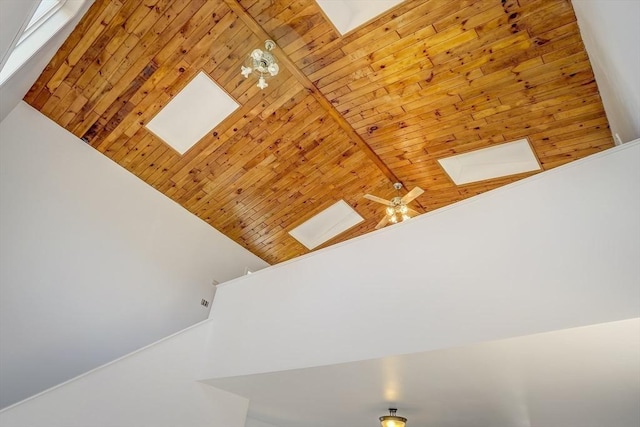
(412, 212)
(383, 222)
(411, 195)
(377, 199)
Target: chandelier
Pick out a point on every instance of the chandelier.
(392, 420)
(261, 63)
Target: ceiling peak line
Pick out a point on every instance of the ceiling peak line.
(313, 90)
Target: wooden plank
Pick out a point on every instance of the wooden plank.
(69, 44)
(346, 115)
(304, 80)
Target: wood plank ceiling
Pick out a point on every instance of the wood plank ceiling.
(346, 115)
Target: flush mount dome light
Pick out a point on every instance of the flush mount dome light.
(392, 420)
(261, 63)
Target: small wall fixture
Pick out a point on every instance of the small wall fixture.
(392, 420)
(261, 63)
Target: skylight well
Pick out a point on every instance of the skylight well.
(198, 108)
(501, 160)
(48, 19)
(347, 15)
(326, 225)
(45, 9)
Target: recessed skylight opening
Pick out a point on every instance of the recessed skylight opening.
(326, 225)
(192, 113)
(48, 19)
(493, 162)
(45, 9)
(347, 15)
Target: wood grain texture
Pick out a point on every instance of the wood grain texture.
(346, 116)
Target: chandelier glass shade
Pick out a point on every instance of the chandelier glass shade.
(392, 420)
(261, 63)
(398, 210)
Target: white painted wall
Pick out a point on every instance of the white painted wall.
(253, 422)
(611, 33)
(554, 251)
(94, 263)
(153, 387)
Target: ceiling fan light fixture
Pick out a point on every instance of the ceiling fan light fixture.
(396, 209)
(392, 420)
(262, 63)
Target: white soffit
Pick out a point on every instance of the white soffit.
(493, 162)
(347, 15)
(192, 113)
(580, 377)
(326, 225)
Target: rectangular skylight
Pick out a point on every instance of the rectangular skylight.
(326, 225)
(347, 15)
(493, 162)
(192, 113)
(45, 9)
(49, 18)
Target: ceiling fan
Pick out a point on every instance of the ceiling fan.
(397, 209)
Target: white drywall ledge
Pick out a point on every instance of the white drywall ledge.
(554, 251)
